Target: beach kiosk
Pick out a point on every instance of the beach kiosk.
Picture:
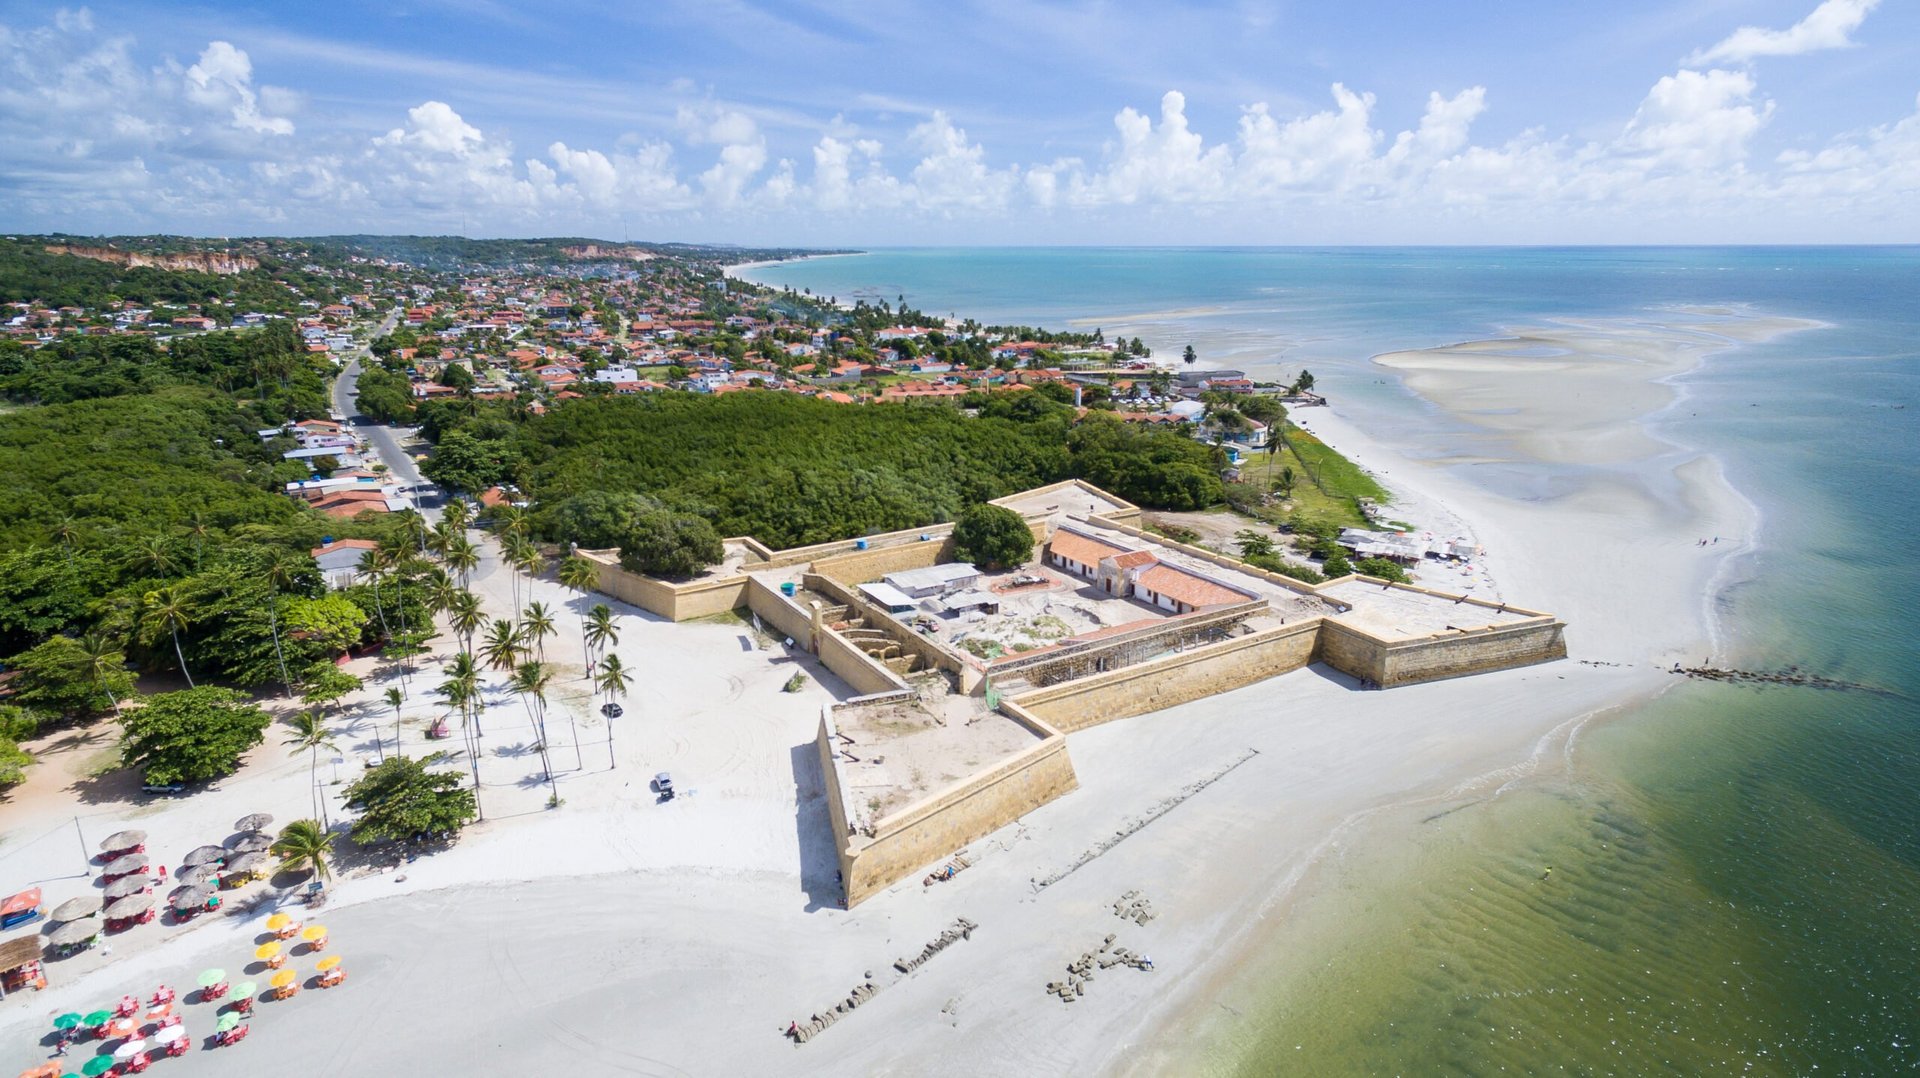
(20, 966)
(21, 909)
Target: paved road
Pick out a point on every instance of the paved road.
(385, 439)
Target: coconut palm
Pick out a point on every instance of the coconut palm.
(462, 692)
(466, 616)
(503, 648)
(198, 529)
(155, 554)
(536, 624)
(373, 565)
(102, 658)
(611, 678)
(279, 575)
(603, 633)
(308, 730)
(579, 574)
(166, 608)
(394, 699)
(440, 591)
(462, 557)
(305, 844)
(413, 530)
(458, 513)
(67, 531)
(530, 683)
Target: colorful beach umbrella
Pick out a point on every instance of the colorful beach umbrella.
(283, 978)
(313, 932)
(278, 921)
(130, 1048)
(266, 950)
(68, 1021)
(159, 1012)
(211, 977)
(245, 989)
(98, 1066)
(95, 1018)
(327, 963)
(170, 1034)
(227, 1021)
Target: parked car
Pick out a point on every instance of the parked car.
(168, 788)
(663, 785)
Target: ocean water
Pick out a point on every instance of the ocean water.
(1736, 871)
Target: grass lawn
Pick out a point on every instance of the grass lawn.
(1340, 480)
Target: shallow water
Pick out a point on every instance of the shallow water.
(1735, 871)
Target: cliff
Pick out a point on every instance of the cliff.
(199, 261)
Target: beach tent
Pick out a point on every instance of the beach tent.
(23, 908)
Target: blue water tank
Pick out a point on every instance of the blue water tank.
(859, 544)
(788, 589)
(326, 540)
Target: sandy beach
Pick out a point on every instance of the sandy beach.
(620, 935)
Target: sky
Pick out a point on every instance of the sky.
(849, 123)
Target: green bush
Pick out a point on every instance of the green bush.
(1382, 568)
(992, 537)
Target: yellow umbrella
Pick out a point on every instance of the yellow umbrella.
(327, 963)
(284, 978)
(313, 932)
(266, 950)
(278, 921)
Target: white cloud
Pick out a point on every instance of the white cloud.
(223, 79)
(1168, 161)
(1695, 120)
(954, 174)
(1829, 26)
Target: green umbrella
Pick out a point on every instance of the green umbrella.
(211, 977)
(227, 1021)
(97, 1018)
(97, 1066)
(68, 1021)
(246, 989)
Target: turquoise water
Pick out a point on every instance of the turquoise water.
(1737, 871)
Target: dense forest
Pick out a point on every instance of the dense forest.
(146, 508)
(791, 470)
(28, 274)
(448, 252)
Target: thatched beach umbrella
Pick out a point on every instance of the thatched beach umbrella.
(73, 933)
(199, 874)
(256, 822)
(204, 855)
(248, 863)
(75, 908)
(130, 906)
(126, 865)
(250, 842)
(122, 840)
(191, 898)
(127, 885)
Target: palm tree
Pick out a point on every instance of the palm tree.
(458, 513)
(527, 559)
(308, 730)
(515, 551)
(579, 574)
(154, 554)
(373, 565)
(503, 647)
(530, 681)
(602, 633)
(166, 608)
(466, 616)
(462, 557)
(462, 691)
(305, 844)
(280, 577)
(440, 591)
(67, 531)
(102, 658)
(413, 530)
(198, 529)
(394, 699)
(611, 679)
(536, 624)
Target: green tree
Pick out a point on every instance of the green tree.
(1253, 544)
(463, 462)
(672, 545)
(536, 624)
(324, 684)
(602, 632)
(1189, 356)
(992, 536)
(401, 799)
(579, 575)
(611, 678)
(466, 616)
(504, 647)
(17, 724)
(1336, 566)
(328, 625)
(530, 684)
(1383, 568)
(72, 678)
(190, 736)
(305, 845)
(395, 698)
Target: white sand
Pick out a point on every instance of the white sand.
(682, 938)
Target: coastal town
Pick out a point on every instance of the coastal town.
(926, 698)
